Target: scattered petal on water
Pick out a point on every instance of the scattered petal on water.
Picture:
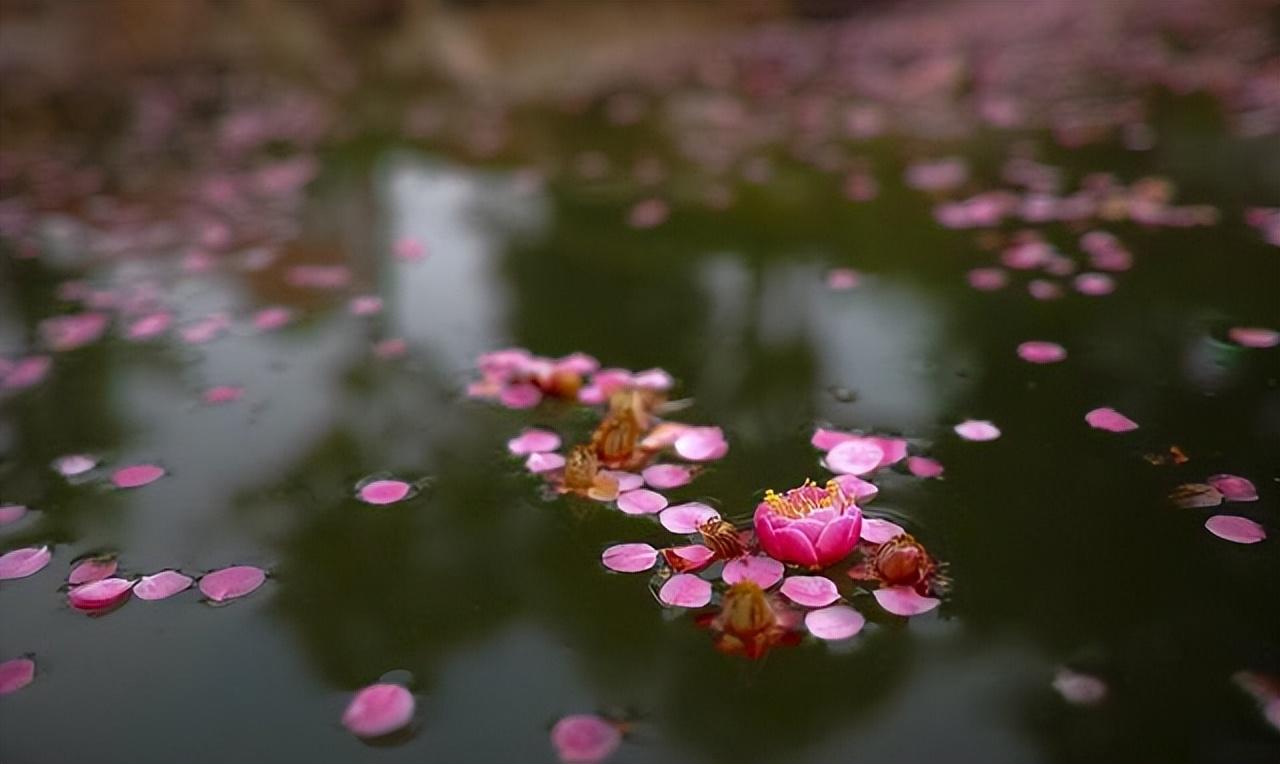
(11, 513)
(877, 531)
(988, 279)
(409, 250)
(834, 623)
(222, 394)
(15, 674)
(384, 491)
(1254, 337)
(842, 279)
(648, 213)
(685, 590)
(1037, 351)
(861, 490)
(629, 558)
(702, 444)
(21, 563)
(924, 467)
(543, 462)
(627, 481)
(641, 502)
(810, 591)
(162, 585)
(1110, 420)
(270, 319)
(904, 601)
(1079, 689)
(137, 475)
(365, 305)
(520, 396)
(763, 570)
(854, 457)
(74, 464)
(1234, 487)
(99, 595)
(149, 326)
(977, 429)
(1240, 530)
(1094, 284)
(664, 476)
(92, 569)
(1195, 496)
(27, 372)
(825, 440)
(390, 349)
(584, 739)
(378, 709)
(685, 518)
(533, 441)
(230, 583)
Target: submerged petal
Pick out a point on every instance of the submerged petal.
(378, 709)
(584, 739)
(834, 623)
(685, 590)
(629, 558)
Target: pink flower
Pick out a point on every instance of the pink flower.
(809, 525)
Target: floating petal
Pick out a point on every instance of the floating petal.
(977, 429)
(92, 569)
(137, 475)
(1240, 530)
(230, 583)
(764, 571)
(21, 563)
(15, 674)
(664, 476)
(685, 518)
(543, 462)
(924, 467)
(11, 513)
(378, 709)
(1110, 420)
(904, 601)
(533, 441)
(629, 558)
(162, 585)
(834, 623)
(627, 481)
(810, 591)
(1254, 337)
(99, 595)
(854, 457)
(584, 739)
(685, 590)
(1079, 689)
(384, 491)
(1195, 496)
(74, 464)
(520, 396)
(641, 502)
(1036, 351)
(702, 444)
(686, 559)
(877, 531)
(1234, 487)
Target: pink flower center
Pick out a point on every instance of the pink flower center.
(799, 502)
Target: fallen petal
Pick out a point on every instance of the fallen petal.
(977, 429)
(384, 491)
(629, 558)
(99, 595)
(877, 531)
(685, 518)
(21, 563)
(1234, 487)
(1240, 530)
(15, 674)
(924, 467)
(762, 570)
(702, 444)
(74, 464)
(810, 591)
(627, 481)
(1254, 337)
(584, 739)
(1110, 420)
(1037, 351)
(1195, 496)
(685, 590)
(690, 558)
(854, 457)
(1079, 689)
(665, 476)
(232, 582)
(11, 513)
(903, 600)
(378, 709)
(162, 585)
(137, 475)
(641, 502)
(835, 622)
(92, 569)
(533, 441)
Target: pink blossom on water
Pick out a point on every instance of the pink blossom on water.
(809, 525)
(379, 709)
(1106, 418)
(585, 739)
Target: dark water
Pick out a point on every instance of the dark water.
(1061, 545)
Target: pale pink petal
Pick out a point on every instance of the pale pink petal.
(384, 491)
(27, 372)
(1110, 420)
(877, 531)
(988, 279)
(1037, 351)
(21, 563)
(653, 379)
(532, 441)
(685, 590)
(230, 583)
(584, 739)
(691, 557)
(222, 394)
(842, 279)
(1254, 337)
(15, 674)
(269, 319)
(641, 502)
(1234, 487)
(924, 467)
(903, 600)
(629, 558)
(137, 475)
(764, 571)
(861, 490)
(834, 623)
(92, 569)
(390, 348)
(520, 396)
(70, 332)
(685, 518)
(99, 595)
(1079, 689)
(543, 462)
(1094, 284)
(648, 213)
(977, 429)
(810, 591)
(408, 250)
(854, 457)
(825, 440)
(665, 476)
(149, 326)
(1240, 530)
(162, 585)
(74, 464)
(11, 513)
(627, 481)
(702, 444)
(365, 305)
(1042, 289)
(378, 709)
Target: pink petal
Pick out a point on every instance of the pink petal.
(877, 531)
(230, 583)
(977, 429)
(794, 546)
(629, 558)
(924, 467)
(365, 305)
(16, 674)
(1079, 689)
(685, 518)
(854, 457)
(685, 590)
(834, 623)
(859, 489)
(1241, 530)
(543, 462)
(664, 476)
(1234, 488)
(74, 464)
(11, 513)
(895, 449)
(533, 441)
(73, 331)
(842, 279)
(987, 279)
(648, 213)
(90, 570)
(584, 739)
(653, 379)
(702, 444)
(384, 491)
(693, 556)
(222, 394)
(810, 591)
(27, 372)
(825, 440)
(1042, 289)
(21, 563)
(269, 319)
(99, 595)
(378, 709)
(408, 250)
(162, 585)
(390, 348)
(1254, 337)
(137, 475)
(764, 571)
(149, 326)
(903, 601)
(1094, 284)
(641, 502)
(627, 481)
(1037, 351)
(1110, 420)
(520, 396)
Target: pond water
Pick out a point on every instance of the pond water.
(1069, 570)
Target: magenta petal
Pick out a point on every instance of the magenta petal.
(1036, 351)
(1110, 420)
(230, 583)
(378, 709)
(695, 556)
(1254, 337)
(629, 558)
(764, 571)
(977, 429)
(861, 490)
(810, 591)
(162, 585)
(1079, 689)
(627, 481)
(1241, 530)
(533, 441)
(16, 674)
(1094, 284)
(903, 600)
(384, 491)
(98, 595)
(222, 394)
(854, 457)
(792, 545)
(584, 739)
(839, 537)
(702, 444)
(876, 531)
(924, 467)
(520, 396)
(825, 440)
(11, 513)
(641, 502)
(269, 319)
(664, 476)
(91, 569)
(685, 590)
(21, 563)
(835, 622)
(543, 462)
(1234, 488)
(685, 518)
(137, 475)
